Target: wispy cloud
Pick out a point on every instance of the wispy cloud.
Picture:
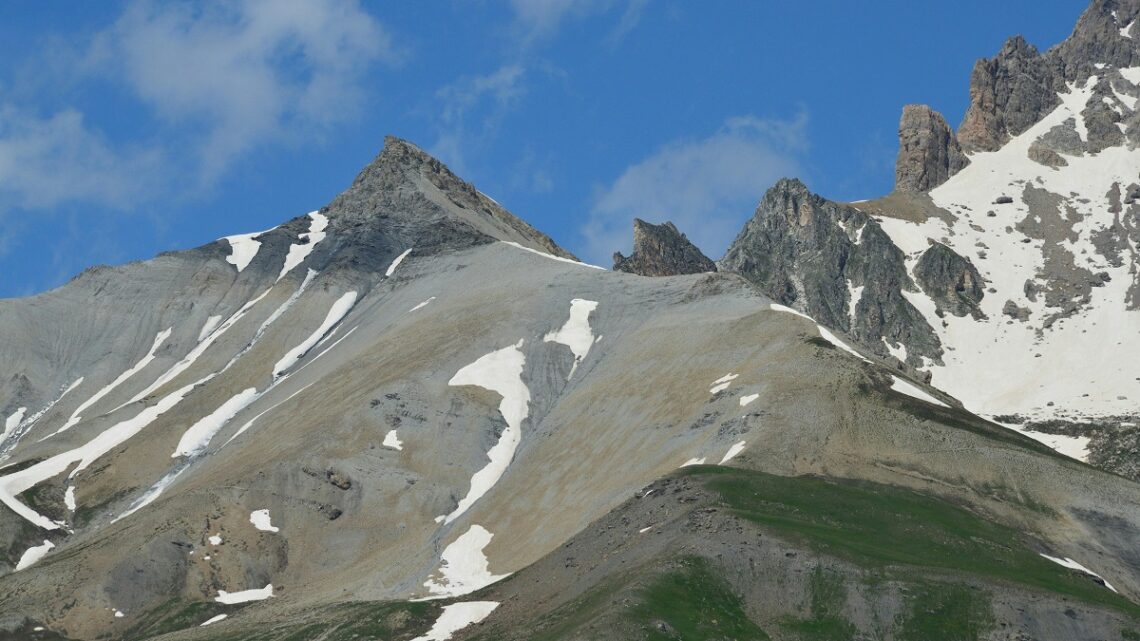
(540, 19)
(471, 109)
(708, 187)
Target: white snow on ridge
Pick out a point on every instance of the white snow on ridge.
(396, 263)
(214, 619)
(76, 416)
(12, 439)
(12, 485)
(336, 313)
(245, 596)
(694, 461)
(243, 249)
(1073, 565)
(298, 252)
(551, 256)
(576, 333)
(248, 424)
(776, 307)
(33, 554)
(834, 340)
(197, 437)
(501, 372)
(393, 441)
(457, 616)
(260, 520)
(463, 566)
(906, 387)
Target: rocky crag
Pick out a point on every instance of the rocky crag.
(662, 250)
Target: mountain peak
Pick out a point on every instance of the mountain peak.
(409, 197)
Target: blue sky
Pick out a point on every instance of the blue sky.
(131, 128)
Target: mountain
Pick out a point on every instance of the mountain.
(1006, 259)
(409, 415)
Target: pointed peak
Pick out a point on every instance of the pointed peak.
(662, 250)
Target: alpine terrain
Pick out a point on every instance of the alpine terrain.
(409, 415)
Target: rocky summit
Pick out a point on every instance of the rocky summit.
(409, 415)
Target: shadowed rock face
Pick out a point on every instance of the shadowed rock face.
(834, 263)
(929, 152)
(662, 250)
(951, 281)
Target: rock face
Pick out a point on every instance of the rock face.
(662, 250)
(929, 152)
(951, 281)
(834, 263)
(1016, 88)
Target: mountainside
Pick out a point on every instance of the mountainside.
(1008, 253)
(409, 415)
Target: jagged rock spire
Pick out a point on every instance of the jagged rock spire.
(662, 250)
(929, 152)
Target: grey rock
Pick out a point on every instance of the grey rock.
(808, 253)
(1014, 311)
(662, 250)
(929, 152)
(1041, 154)
(951, 281)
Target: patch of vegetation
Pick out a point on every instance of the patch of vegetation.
(174, 614)
(826, 623)
(693, 603)
(1128, 634)
(946, 612)
(881, 526)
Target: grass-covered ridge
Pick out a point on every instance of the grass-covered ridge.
(891, 528)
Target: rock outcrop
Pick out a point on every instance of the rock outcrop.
(950, 280)
(929, 152)
(662, 250)
(834, 263)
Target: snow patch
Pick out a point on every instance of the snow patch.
(33, 554)
(215, 539)
(551, 256)
(198, 436)
(645, 529)
(501, 372)
(854, 295)
(463, 565)
(421, 305)
(69, 498)
(746, 400)
(215, 619)
(396, 263)
(243, 249)
(834, 340)
(694, 461)
(910, 389)
(13, 421)
(210, 325)
(776, 307)
(392, 441)
(457, 616)
(298, 252)
(722, 383)
(576, 333)
(336, 313)
(732, 452)
(261, 521)
(1073, 565)
(245, 596)
(1124, 31)
(159, 339)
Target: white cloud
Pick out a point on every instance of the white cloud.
(45, 161)
(244, 73)
(707, 187)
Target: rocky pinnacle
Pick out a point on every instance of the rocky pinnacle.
(929, 152)
(662, 250)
